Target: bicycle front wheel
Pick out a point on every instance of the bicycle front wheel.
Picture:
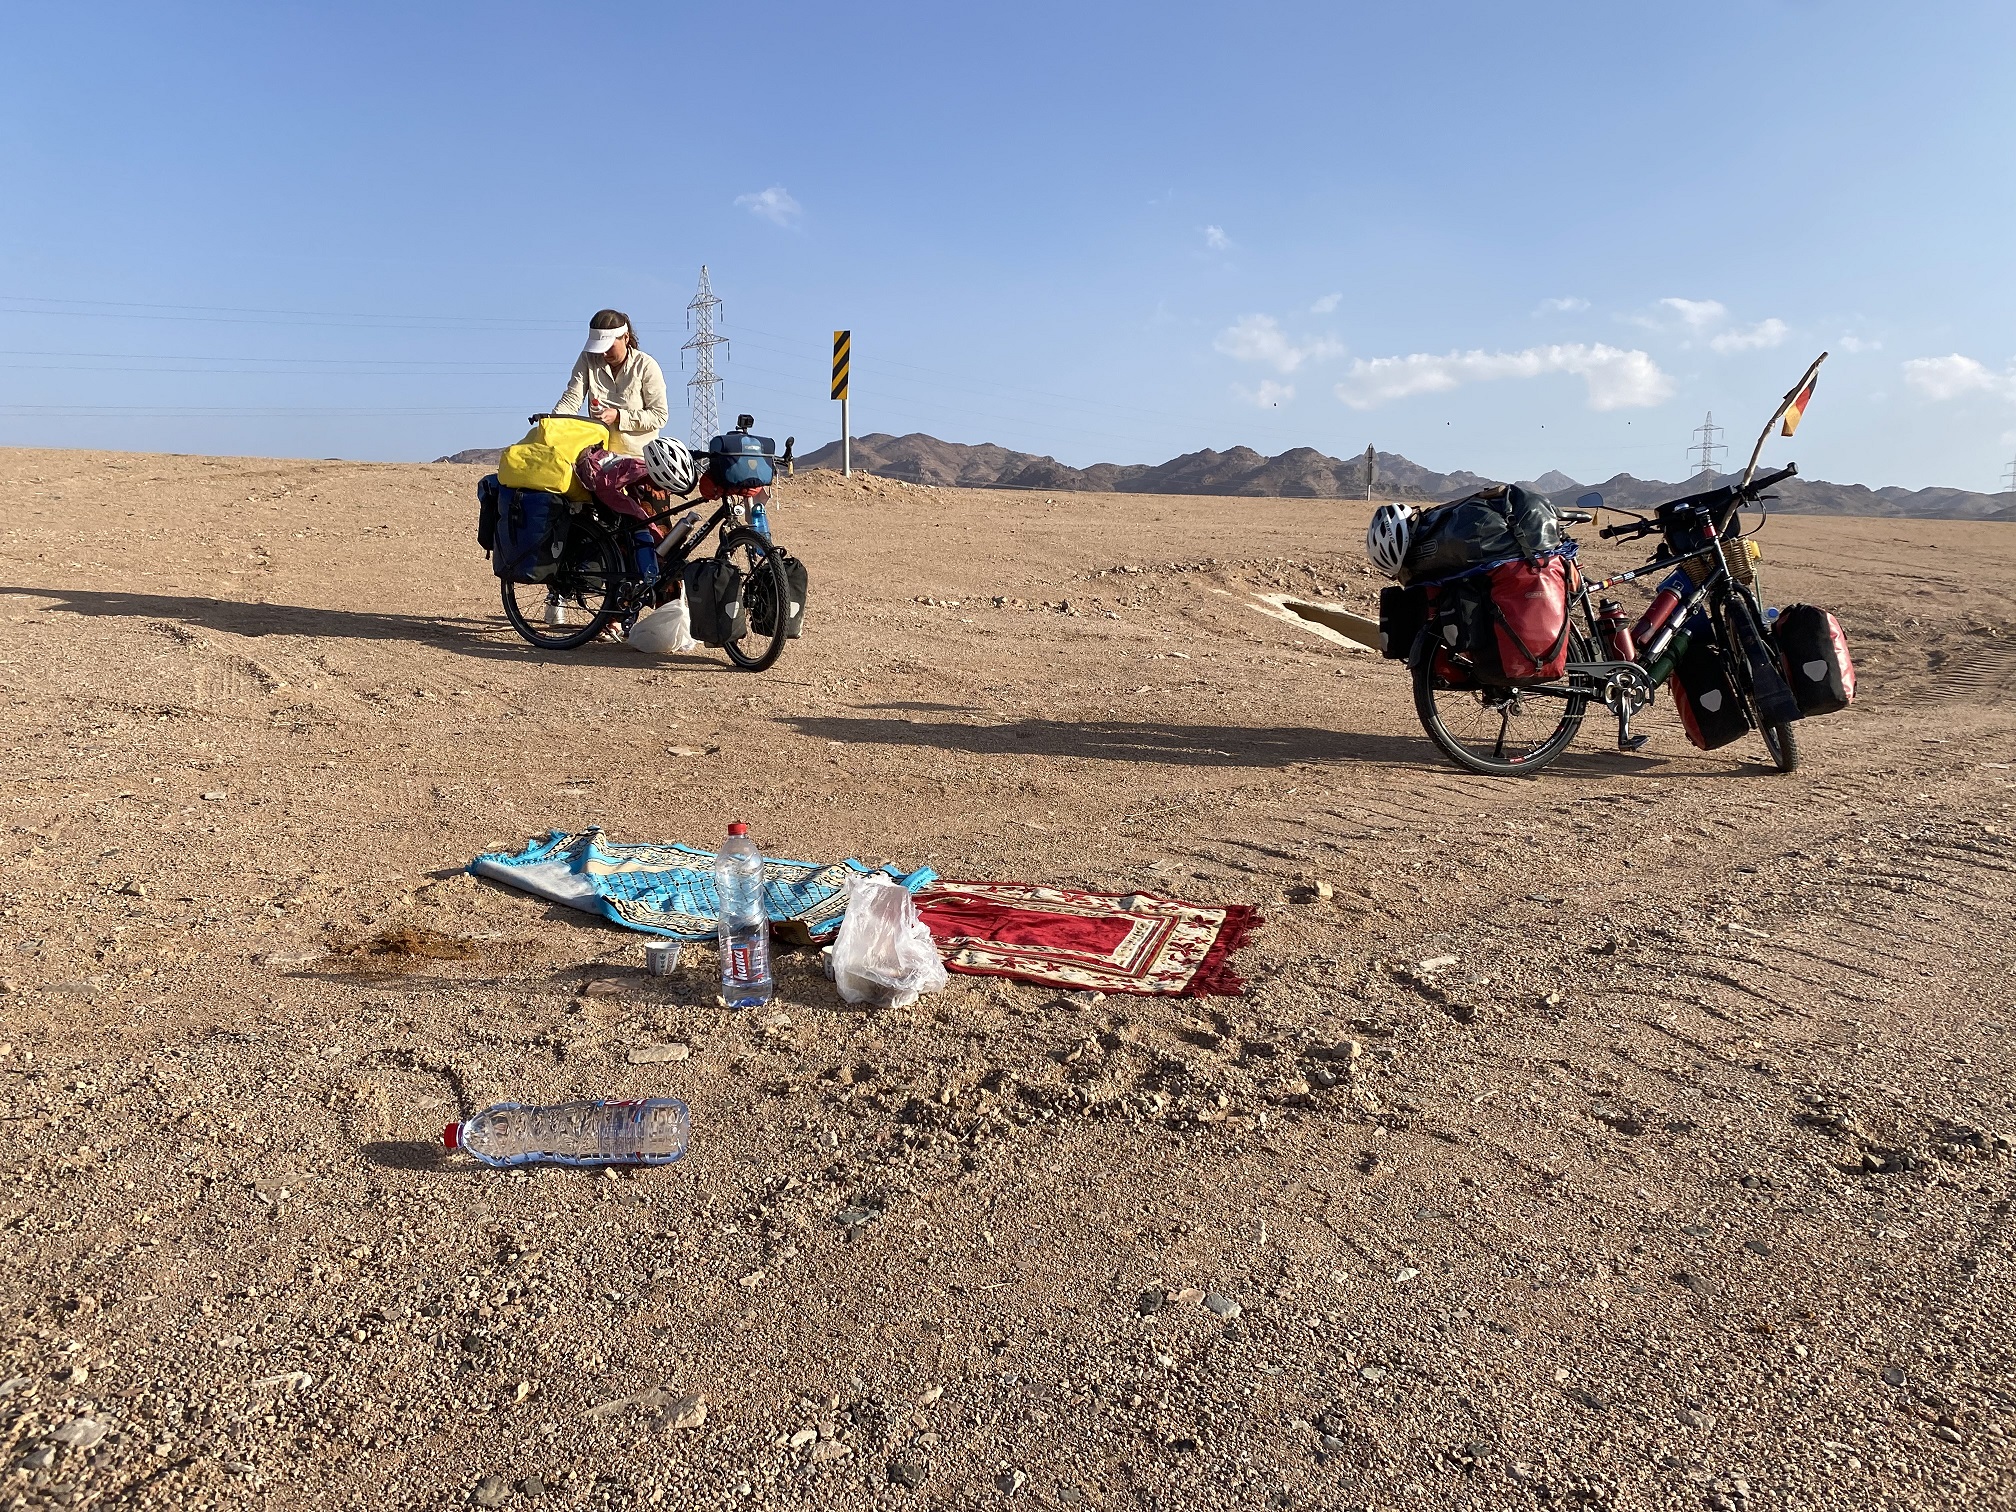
(578, 602)
(764, 596)
(1499, 732)
(1779, 741)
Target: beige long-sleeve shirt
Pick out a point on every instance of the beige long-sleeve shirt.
(636, 389)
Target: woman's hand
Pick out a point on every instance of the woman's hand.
(609, 415)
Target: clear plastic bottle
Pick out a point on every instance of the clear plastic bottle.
(589, 1132)
(743, 925)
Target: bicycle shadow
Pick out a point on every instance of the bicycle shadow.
(487, 639)
(1240, 746)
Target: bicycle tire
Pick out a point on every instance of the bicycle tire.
(587, 580)
(765, 591)
(1780, 743)
(1505, 704)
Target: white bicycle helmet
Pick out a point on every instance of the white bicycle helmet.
(671, 464)
(1388, 537)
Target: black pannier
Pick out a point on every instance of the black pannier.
(714, 601)
(1703, 692)
(1814, 653)
(486, 512)
(1402, 613)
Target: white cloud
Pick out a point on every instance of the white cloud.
(1259, 338)
(1617, 379)
(773, 204)
(1954, 377)
(1326, 305)
(1766, 333)
(1567, 304)
(1216, 240)
(1698, 314)
(1854, 344)
(1269, 395)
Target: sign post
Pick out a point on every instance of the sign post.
(841, 341)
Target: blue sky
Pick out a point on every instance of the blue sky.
(1506, 238)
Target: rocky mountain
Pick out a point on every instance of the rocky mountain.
(482, 456)
(1309, 474)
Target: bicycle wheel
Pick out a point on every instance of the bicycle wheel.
(1779, 741)
(764, 592)
(577, 603)
(1500, 732)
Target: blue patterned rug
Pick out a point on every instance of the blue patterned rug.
(669, 889)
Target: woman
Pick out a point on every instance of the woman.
(624, 388)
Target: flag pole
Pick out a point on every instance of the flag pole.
(1783, 404)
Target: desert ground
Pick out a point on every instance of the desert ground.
(1686, 1183)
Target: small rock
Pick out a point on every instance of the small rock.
(1222, 1305)
(1700, 1285)
(1757, 1246)
(1371, 1374)
(658, 1055)
(492, 1491)
(532, 1485)
(602, 987)
(690, 1411)
(1191, 1295)
(80, 1433)
(803, 1437)
(1008, 1482)
(1329, 1443)
(78, 1375)
(1692, 1419)
(1325, 891)
(1943, 1432)
(217, 797)
(1151, 1302)
(906, 1473)
(828, 1450)
(1893, 1375)
(41, 1459)
(929, 1395)
(1405, 1273)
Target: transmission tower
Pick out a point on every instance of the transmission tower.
(705, 382)
(1702, 452)
(2009, 477)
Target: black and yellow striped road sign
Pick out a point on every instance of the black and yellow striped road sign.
(840, 342)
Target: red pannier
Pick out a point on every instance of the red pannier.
(1814, 653)
(1529, 611)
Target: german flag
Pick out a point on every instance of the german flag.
(1797, 407)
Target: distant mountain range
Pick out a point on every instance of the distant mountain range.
(1306, 473)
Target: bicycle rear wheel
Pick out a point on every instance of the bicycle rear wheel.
(764, 594)
(578, 602)
(1500, 732)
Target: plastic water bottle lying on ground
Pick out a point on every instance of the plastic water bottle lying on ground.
(743, 926)
(588, 1132)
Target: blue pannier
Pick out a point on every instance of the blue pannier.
(739, 461)
(528, 543)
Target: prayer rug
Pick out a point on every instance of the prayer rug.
(1100, 942)
(669, 889)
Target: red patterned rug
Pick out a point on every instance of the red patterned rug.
(1101, 942)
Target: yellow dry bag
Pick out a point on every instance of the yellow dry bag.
(545, 458)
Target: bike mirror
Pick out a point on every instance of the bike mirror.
(1591, 501)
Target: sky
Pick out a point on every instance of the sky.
(1502, 238)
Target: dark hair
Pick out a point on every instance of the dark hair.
(610, 320)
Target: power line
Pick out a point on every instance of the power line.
(2009, 477)
(1702, 452)
(706, 386)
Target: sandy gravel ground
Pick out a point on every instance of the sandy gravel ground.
(1685, 1183)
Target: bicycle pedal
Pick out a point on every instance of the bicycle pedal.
(1632, 742)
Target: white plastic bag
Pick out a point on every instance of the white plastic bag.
(884, 955)
(663, 631)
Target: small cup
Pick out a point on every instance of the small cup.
(661, 957)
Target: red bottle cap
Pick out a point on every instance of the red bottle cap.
(452, 1136)
(738, 828)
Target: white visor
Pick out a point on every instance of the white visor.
(601, 341)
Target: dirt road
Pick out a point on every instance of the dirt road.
(1683, 1180)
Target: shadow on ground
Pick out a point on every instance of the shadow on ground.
(489, 639)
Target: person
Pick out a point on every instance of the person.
(623, 386)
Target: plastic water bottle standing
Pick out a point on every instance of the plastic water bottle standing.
(743, 926)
